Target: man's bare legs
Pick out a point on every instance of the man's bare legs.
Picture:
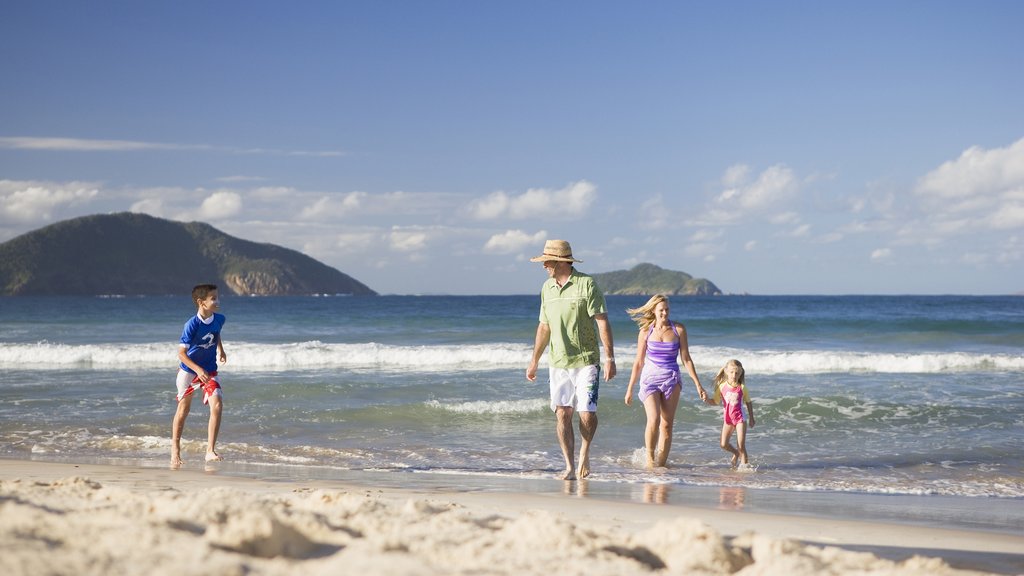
(566, 439)
(177, 426)
(216, 407)
(588, 427)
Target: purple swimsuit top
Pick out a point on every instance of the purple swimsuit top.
(663, 354)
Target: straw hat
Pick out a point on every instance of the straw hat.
(557, 250)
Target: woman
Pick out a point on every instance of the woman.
(659, 343)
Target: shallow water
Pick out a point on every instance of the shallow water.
(898, 396)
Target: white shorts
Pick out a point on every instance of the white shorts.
(576, 387)
(185, 385)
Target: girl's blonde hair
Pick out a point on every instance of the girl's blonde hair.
(721, 377)
(644, 315)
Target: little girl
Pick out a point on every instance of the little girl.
(731, 393)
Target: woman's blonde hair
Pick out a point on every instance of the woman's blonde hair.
(644, 315)
(721, 377)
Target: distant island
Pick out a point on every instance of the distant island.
(136, 254)
(648, 279)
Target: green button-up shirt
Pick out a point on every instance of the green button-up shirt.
(569, 312)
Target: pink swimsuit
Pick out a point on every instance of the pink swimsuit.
(732, 398)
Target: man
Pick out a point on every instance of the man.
(572, 314)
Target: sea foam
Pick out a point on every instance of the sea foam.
(315, 355)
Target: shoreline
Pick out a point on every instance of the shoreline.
(36, 496)
(985, 514)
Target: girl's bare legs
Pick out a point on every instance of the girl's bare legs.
(667, 421)
(741, 441)
(216, 407)
(177, 426)
(726, 433)
(652, 406)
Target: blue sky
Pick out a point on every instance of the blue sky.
(857, 147)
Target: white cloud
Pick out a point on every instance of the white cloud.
(330, 207)
(180, 204)
(715, 217)
(97, 145)
(408, 240)
(654, 214)
(80, 144)
(512, 241)
(220, 204)
(240, 178)
(881, 254)
(766, 196)
(151, 206)
(785, 218)
(706, 251)
(801, 231)
(735, 175)
(705, 235)
(356, 242)
(492, 207)
(572, 201)
(771, 188)
(977, 172)
(271, 193)
(1010, 215)
(35, 202)
(981, 188)
(413, 207)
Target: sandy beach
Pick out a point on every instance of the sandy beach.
(58, 518)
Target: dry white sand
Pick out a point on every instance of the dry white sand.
(107, 520)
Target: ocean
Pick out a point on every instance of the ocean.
(902, 407)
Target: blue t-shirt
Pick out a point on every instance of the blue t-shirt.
(201, 339)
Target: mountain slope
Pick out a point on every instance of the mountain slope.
(648, 279)
(136, 254)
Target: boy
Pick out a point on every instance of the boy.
(201, 346)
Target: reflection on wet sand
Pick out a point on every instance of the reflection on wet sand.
(575, 488)
(731, 497)
(656, 493)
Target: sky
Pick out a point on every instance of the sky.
(431, 147)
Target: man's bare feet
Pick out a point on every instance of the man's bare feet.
(569, 474)
(584, 470)
(175, 461)
(212, 456)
